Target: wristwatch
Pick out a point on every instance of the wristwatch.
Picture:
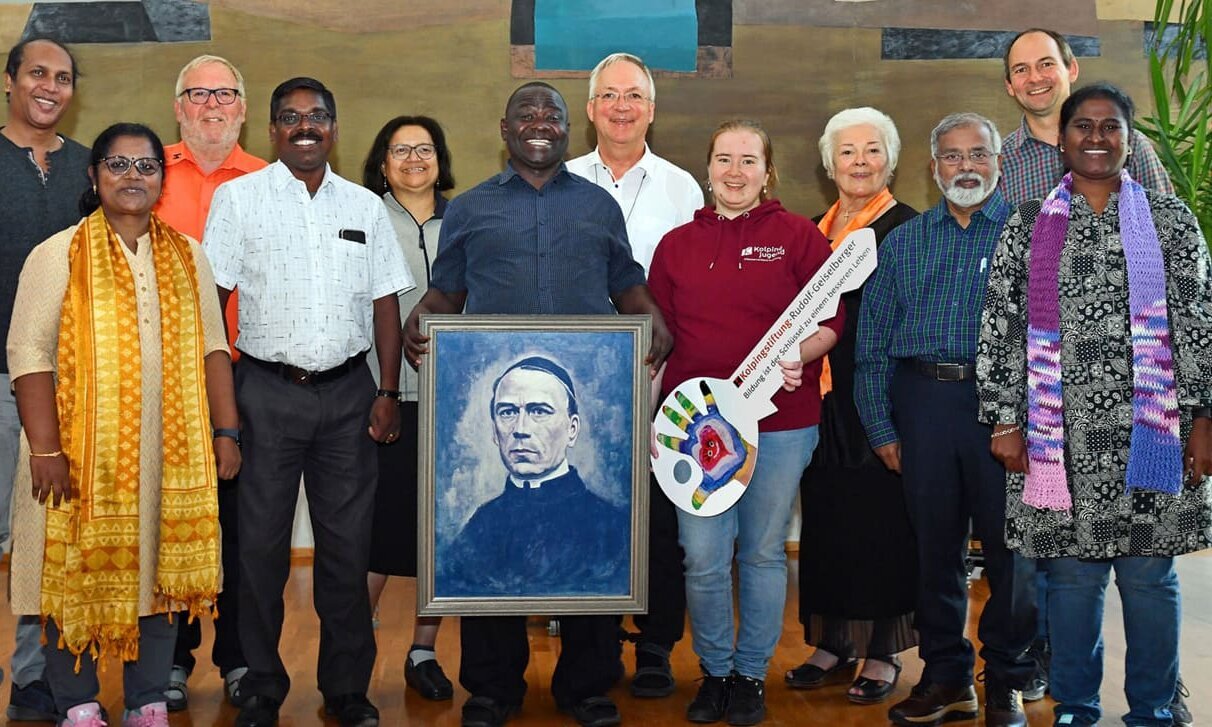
(229, 433)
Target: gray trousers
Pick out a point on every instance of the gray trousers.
(317, 431)
(143, 681)
(28, 663)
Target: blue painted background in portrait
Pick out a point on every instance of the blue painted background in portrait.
(468, 471)
(572, 36)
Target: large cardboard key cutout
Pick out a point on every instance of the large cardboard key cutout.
(707, 429)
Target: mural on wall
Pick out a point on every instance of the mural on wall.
(901, 44)
(556, 39)
(120, 21)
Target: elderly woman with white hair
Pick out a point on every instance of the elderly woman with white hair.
(858, 571)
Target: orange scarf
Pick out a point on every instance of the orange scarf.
(872, 211)
(90, 573)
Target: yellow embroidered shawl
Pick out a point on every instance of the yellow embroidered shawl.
(90, 574)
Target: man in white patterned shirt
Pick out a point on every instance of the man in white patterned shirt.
(318, 268)
(655, 196)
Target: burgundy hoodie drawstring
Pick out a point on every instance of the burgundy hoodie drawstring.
(719, 239)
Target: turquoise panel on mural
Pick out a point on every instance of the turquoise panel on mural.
(574, 36)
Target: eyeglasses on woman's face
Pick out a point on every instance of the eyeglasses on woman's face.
(400, 152)
(120, 165)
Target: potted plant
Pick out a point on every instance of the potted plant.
(1182, 95)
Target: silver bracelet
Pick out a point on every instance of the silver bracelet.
(1004, 432)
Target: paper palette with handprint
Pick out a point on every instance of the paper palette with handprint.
(706, 445)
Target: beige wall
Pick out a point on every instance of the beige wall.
(790, 77)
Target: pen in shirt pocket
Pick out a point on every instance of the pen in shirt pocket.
(984, 263)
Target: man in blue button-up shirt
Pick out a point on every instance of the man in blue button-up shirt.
(916, 394)
(536, 239)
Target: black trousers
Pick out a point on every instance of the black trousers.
(225, 652)
(319, 432)
(951, 479)
(495, 652)
(665, 621)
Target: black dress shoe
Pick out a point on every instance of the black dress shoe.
(258, 711)
(594, 712)
(352, 710)
(428, 679)
(486, 712)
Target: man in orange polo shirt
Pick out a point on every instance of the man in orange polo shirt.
(210, 108)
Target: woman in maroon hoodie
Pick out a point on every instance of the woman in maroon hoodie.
(721, 280)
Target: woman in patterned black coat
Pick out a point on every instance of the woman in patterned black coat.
(1095, 368)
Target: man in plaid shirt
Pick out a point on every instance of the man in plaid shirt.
(1040, 68)
(915, 391)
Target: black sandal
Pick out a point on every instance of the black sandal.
(811, 676)
(866, 690)
(653, 675)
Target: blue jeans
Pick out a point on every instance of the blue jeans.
(1148, 588)
(757, 528)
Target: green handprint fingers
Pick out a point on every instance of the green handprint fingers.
(670, 442)
(676, 417)
(698, 497)
(687, 404)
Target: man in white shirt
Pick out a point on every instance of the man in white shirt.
(318, 268)
(655, 197)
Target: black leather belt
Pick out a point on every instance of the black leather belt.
(303, 377)
(944, 371)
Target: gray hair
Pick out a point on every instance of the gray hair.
(203, 60)
(964, 118)
(614, 58)
(848, 118)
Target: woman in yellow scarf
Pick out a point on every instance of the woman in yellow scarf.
(120, 369)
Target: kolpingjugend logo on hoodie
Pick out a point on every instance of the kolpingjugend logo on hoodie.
(762, 253)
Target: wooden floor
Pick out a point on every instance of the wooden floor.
(400, 706)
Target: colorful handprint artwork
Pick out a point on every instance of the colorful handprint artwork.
(706, 449)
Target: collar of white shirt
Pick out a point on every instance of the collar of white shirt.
(646, 164)
(283, 177)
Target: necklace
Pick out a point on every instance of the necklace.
(636, 198)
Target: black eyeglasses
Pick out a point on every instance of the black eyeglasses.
(120, 165)
(292, 118)
(224, 96)
(400, 152)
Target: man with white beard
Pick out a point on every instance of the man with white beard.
(916, 394)
(210, 107)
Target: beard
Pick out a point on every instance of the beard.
(198, 134)
(963, 197)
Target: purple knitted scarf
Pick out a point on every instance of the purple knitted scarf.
(1155, 451)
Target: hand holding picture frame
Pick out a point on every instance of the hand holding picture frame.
(533, 465)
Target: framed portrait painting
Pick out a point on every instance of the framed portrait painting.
(533, 465)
